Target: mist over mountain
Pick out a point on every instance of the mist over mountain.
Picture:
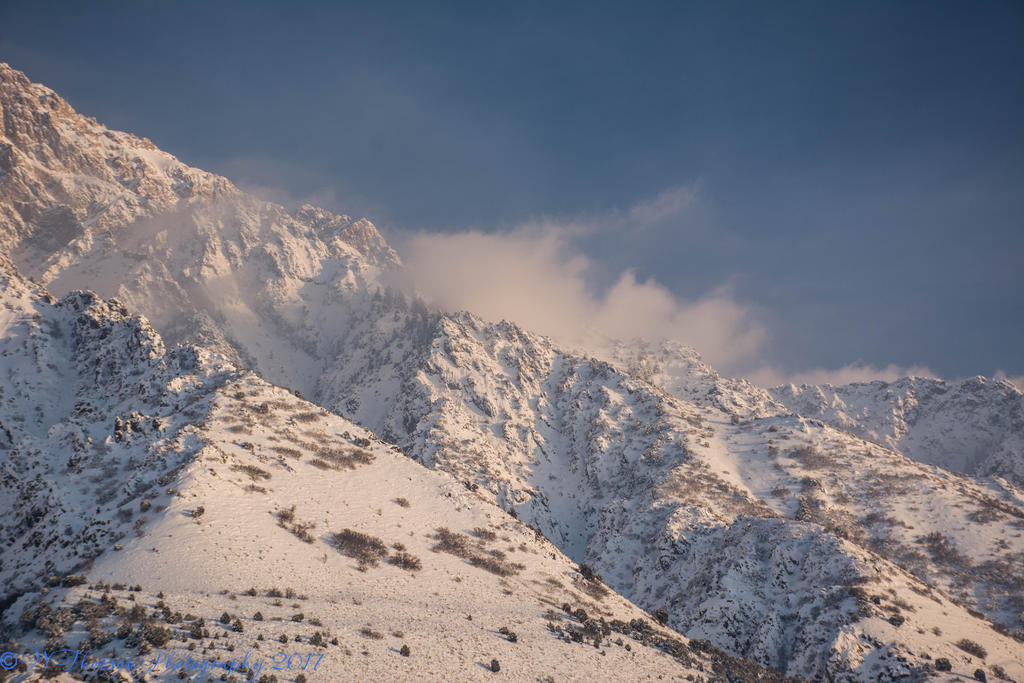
(170, 343)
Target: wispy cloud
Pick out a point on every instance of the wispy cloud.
(853, 372)
(536, 275)
(668, 205)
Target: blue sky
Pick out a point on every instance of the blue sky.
(849, 174)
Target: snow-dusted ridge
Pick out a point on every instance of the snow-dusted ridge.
(974, 425)
(219, 493)
(804, 539)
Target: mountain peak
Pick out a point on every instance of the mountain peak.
(64, 176)
(66, 179)
(361, 233)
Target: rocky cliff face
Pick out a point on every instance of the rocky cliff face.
(65, 177)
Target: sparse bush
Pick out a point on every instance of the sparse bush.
(340, 459)
(496, 566)
(462, 546)
(285, 516)
(255, 473)
(453, 543)
(287, 452)
(941, 550)
(406, 561)
(972, 648)
(155, 635)
(368, 550)
(401, 502)
(301, 531)
(594, 589)
(371, 634)
(404, 651)
(809, 457)
(509, 634)
(484, 534)
(943, 664)
(495, 666)
(979, 675)
(661, 616)
(258, 616)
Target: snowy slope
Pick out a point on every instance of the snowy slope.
(231, 495)
(82, 381)
(625, 476)
(974, 426)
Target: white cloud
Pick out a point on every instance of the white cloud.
(525, 276)
(534, 276)
(726, 332)
(854, 372)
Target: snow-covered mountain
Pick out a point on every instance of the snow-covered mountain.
(661, 493)
(758, 520)
(974, 426)
(148, 493)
